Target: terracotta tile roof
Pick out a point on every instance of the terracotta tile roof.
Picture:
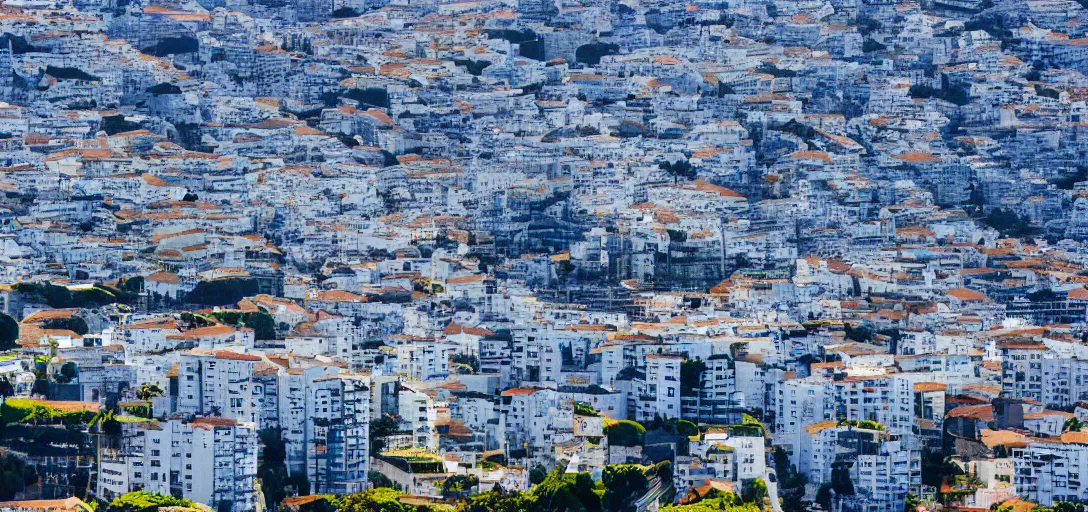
(68, 504)
(816, 428)
(163, 277)
(977, 412)
(453, 329)
(49, 314)
(966, 294)
(519, 391)
(927, 387)
(917, 157)
(465, 279)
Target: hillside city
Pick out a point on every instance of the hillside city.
(543, 255)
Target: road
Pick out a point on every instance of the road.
(771, 479)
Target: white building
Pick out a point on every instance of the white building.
(338, 434)
(208, 460)
(218, 383)
(1047, 471)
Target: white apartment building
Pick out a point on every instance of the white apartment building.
(888, 400)
(1065, 382)
(418, 411)
(207, 460)
(883, 467)
(1047, 471)
(1022, 370)
(293, 387)
(801, 402)
(749, 454)
(424, 361)
(218, 383)
(338, 434)
(662, 387)
(524, 417)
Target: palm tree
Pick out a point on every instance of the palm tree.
(149, 391)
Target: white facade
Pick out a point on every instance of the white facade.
(207, 460)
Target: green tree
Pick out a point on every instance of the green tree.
(860, 334)
(715, 502)
(276, 482)
(537, 474)
(141, 501)
(375, 96)
(691, 376)
(624, 484)
(149, 391)
(663, 470)
(500, 501)
(15, 476)
(68, 372)
(133, 284)
(373, 500)
(912, 502)
(459, 485)
(72, 323)
(1009, 224)
(626, 433)
(565, 492)
(591, 53)
(379, 429)
(755, 491)
(380, 480)
(1067, 506)
(840, 478)
(222, 291)
(9, 332)
(263, 325)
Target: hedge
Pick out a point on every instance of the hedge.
(25, 410)
(139, 501)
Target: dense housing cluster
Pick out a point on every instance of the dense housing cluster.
(543, 255)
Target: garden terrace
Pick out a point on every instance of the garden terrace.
(46, 412)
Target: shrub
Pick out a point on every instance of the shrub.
(626, 433)
(584, 409)
(139, 501)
